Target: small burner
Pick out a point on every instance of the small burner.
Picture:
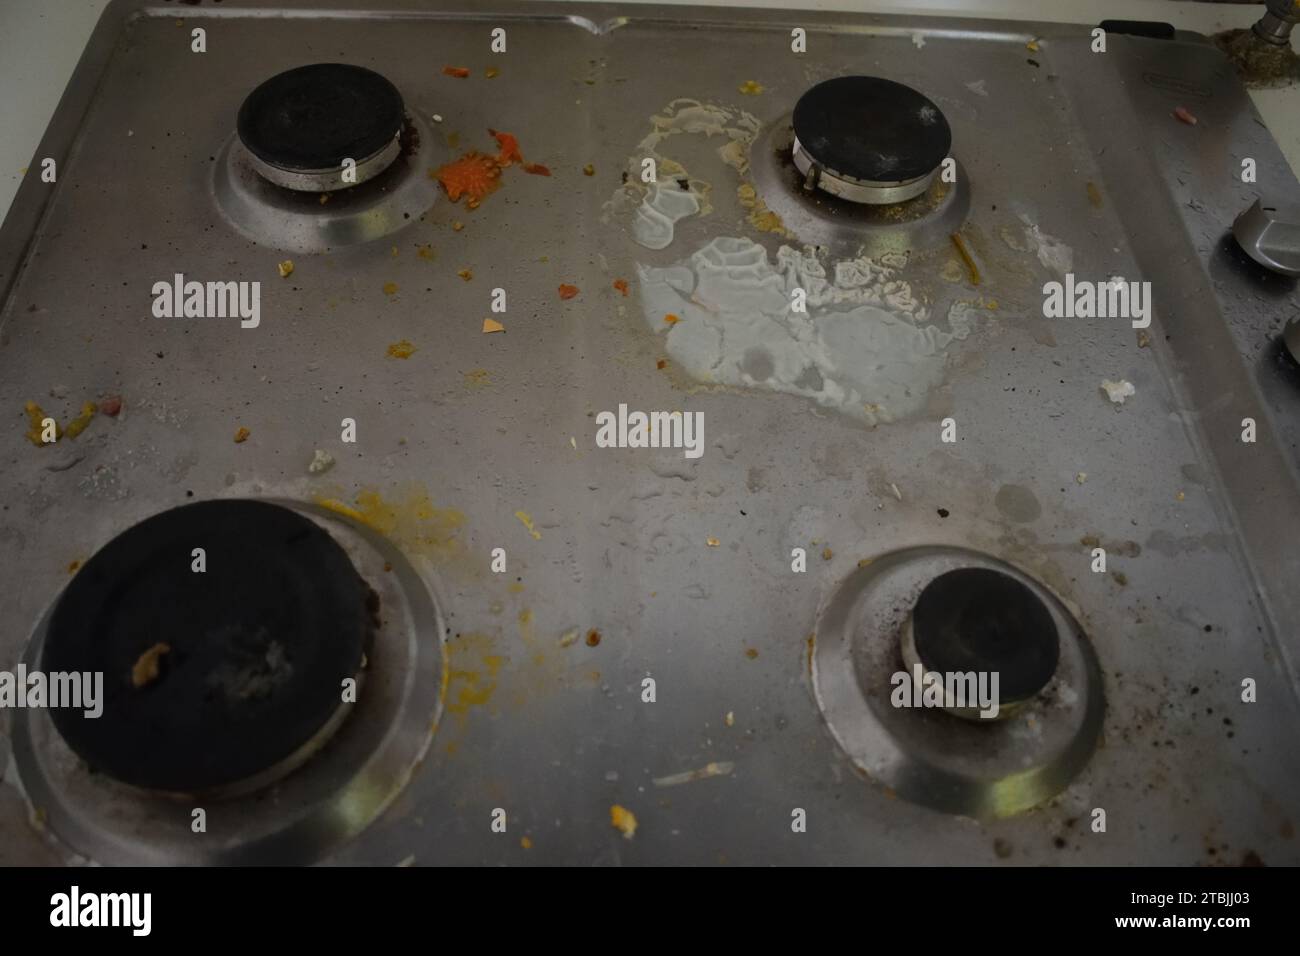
(868, 140)
(217, 677)
(300, 125)
(977, 619)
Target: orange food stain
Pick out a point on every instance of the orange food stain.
(473, 175)
(621, 285)
(459, 72)
(593, 637)
(568, 291)
(537, 169)
(662, 363)
(671, 319)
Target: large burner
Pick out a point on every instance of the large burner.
(302, 124)
(218, 676)
(868, 140)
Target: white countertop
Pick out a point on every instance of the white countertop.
(41, 42)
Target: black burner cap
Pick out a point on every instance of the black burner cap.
(976, 619)
(314, 117)
(257, 645)
(871, 129)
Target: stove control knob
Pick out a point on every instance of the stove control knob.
(1270, 234)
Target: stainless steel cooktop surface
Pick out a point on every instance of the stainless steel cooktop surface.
(579, 434)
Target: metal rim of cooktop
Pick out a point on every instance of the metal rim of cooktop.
(298, 221)
(301, 817)
(300, 125)
(847, 228)
(984, 769)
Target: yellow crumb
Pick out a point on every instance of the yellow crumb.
(623, 820)
(492, 325)
(241, 435)
(712, 542)
(390, 288)
(286, 268)
(401, 350)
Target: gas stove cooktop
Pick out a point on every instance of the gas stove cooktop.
(596, 434)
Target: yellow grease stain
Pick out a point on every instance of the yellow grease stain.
(760, 217)
(527, 521)
(472, 675)
(401, 350)
(409, 519)
(478, 378)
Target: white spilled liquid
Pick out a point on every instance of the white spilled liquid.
(863, 346)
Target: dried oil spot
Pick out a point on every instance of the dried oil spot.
(390, 288)
(751, 652)
(425, 252)
(760, 217)
(73, 566)
(1094, 195)
(1018, 503)
(750, 88)
(623, 820)
(477, 378)
(401, 350)
(472, 673)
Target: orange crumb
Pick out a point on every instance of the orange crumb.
(593, 637)
(568, 291)
(509, 148)
(662, 363)
(459, 72)
(537, 169)
(241, 436)
(621, 285)
(671, 319)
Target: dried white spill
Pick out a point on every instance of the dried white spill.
(663, 206)
(1055, 255)
(862, 347)
(665, 202)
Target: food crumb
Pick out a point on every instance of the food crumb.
(621, 286)
(671, 319)
(1185, 115)
(568, 291)
(424, 252)
(1180, 496)
(661, 364)
(457, 226)
(712, 542)
(750, 88)
(459, 72)
(241, 435)
(148, 665)
(1032, 46)
(526, 843)
(537, 169)
(73, 566)
(589, 170)
(491, 73)
(390, 288)
(593, 638)
(78, 424)
(285, 268)
(401, 349)
(492, 325)
(1081, 477)
(111, 406)
(321, 462)
(1117, 392)
(751, 653)
(466, 274)
(569, 638)
(623, 820)
(1143, 339)
(731, 718)
(827, 554)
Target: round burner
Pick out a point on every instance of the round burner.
(216, 677)
(983, 621)
(301, 124)
(868, 140)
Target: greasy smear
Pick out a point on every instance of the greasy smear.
(35, 417)
(527, 521)
(401, 350)
(971, 268)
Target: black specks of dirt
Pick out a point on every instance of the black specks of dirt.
(943, 512)
(1059, 842)
(1209, 628)
(1031, 61)
(1251, 858)
(684, 184)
